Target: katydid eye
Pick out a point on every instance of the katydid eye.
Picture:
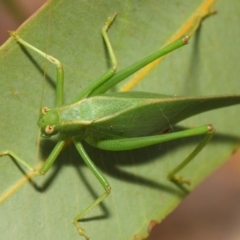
(49, 129)
(45, 110)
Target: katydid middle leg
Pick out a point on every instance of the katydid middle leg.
(103, 181)
(110, 72)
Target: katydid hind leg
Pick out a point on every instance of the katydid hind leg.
(139, 142)
(124, 73)
(178, 179)
(102, 180)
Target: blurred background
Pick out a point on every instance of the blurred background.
(212, 211)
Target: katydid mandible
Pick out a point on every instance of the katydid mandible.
(123, 120)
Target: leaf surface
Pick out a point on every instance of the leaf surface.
(43, 207)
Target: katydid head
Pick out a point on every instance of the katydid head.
(48, 122)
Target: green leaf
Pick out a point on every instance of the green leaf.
(43, 207)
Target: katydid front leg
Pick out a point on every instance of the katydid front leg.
(47, 164)
(56, 62)
(59, 100)
(59, 93)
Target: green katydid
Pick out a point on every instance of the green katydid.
(120, 121)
